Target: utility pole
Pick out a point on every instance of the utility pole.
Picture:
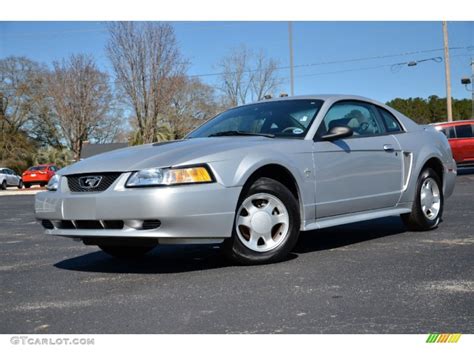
(447, 72)
(472, 87)
(290, 43)
(466, 82)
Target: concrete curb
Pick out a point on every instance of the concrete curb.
(16, 192)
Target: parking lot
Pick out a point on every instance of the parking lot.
(371, 277)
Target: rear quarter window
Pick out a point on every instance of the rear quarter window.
(390, 121)
(464, 131)
(448, 131)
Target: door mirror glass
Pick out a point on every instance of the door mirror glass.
(337, 132)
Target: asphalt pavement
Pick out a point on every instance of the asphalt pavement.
(371, 277)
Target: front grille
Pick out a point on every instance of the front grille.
(106, 179)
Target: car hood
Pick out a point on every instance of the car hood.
(166, 154)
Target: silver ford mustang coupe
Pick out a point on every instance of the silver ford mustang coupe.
(255, 176)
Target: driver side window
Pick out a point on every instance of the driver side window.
(359, 116)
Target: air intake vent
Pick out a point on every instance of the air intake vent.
(113, 224)
(65, 225)
(151, 224)
(407, 164)
(46, 223)
(89, 224)
(93, 182)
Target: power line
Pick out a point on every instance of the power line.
(342, 61)
(435, 59)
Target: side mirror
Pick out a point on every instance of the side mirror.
(337, 132)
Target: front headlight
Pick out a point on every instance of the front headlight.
(170, 176)
(53, 183)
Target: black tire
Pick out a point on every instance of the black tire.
(42, 184)
(126, 252)
(3, 186)
(27, 186)
(238, 252)
(20, 185)
(417, 220)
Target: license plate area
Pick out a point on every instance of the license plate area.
(80, 208)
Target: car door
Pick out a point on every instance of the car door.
(11, 178)
(464, 142)
(3, 175)
(359, 173)
(15, 178)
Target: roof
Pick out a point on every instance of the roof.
(89, 150)
(455, 122)
(323, 97)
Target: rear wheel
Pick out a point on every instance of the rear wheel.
(3, 186)
(126, 252)
(43, 184)
(266, 225)
(428, 205)
(27, 186)
(20, 184)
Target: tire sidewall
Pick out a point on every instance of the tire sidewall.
(239, 252)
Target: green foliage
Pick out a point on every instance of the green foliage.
(60, 157)
(16, 150)
(430, 110)
(164, 133)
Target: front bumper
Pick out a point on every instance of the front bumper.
(204, 211)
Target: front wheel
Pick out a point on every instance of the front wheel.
(428, 205)
(3, 186)
(126, 252)
(266, 226)
(20, 184)
(27, 186)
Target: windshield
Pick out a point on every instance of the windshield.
(284, 119)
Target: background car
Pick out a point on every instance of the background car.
(39, 175)
(460, 135)
(9, 178)
(255, 176)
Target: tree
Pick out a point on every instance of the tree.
(432, 109)
(25, 115)
(16, 150)
(193, 103)
(265, 81)
(43, 126)
(148, 65)
(60, 157)
(81, 99)
(247, 76)
(18, 88)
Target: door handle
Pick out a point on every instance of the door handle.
(388, 148)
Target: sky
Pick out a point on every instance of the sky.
(329, 57)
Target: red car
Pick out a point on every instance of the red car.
(38, 175)
(461, 138)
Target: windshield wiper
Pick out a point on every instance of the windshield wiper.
(241, 133)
